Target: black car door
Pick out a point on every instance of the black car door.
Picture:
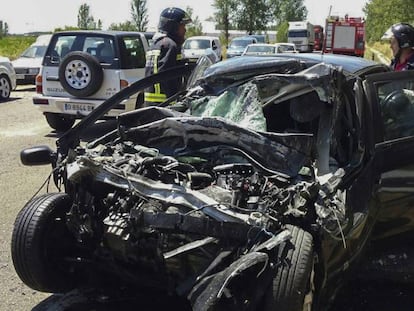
(391, 99)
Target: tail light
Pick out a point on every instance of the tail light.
(39, 87)
(123, 84)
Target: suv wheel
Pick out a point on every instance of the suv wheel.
(59, 122)
(5, 87)
(80, 74)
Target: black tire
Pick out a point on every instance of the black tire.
(70, 301)
(5, 87)
(291, 282)
(140, 100)
(41, 241)
(59, 122)
(80, 74)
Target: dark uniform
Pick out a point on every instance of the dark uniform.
(165, 53)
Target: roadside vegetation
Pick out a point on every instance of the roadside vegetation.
(13, 46)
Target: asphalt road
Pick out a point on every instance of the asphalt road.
(21, 126)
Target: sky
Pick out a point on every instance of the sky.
(45, 15)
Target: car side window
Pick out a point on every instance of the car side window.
(135, 53)
(62, 47)
(397, 108)
(101, 48)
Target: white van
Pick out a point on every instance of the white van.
(27, 66)
(195, 47)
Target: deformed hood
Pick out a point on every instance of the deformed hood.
(183, 134)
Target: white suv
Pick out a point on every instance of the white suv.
(81, 69)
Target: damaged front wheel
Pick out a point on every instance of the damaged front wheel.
(40, 243)
(290, 286)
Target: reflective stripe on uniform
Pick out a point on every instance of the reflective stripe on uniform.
(157, 96)
(154, 54)
(154, 97)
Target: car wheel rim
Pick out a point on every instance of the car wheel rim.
(4, 88)
(77, 74)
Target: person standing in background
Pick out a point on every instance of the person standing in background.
(165, 53)
(401, 36)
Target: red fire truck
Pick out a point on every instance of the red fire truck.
(345, 35)
(318, 29)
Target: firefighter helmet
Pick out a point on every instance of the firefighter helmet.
(403, 32)
(171, 18)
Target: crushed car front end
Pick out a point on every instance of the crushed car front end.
(200, 199)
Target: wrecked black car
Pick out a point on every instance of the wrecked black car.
(260, 187)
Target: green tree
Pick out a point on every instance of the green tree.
(381, 14)
(139, 14)
(4, 29)
(282, 32)
(223, 15)
(195, 28)
(287, 11)
(85, 20)
(66, 28)
(125, 26)
(252, 15)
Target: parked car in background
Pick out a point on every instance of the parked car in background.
(27, 65)
(7, 78)
(83, 68)
(238, 44)
(195, 47)
(260, 38)
(268, 49)
(285, 47)
(261, 188)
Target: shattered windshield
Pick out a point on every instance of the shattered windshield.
(238, 104)
(243, 103)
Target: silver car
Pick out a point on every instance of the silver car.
(7, 78)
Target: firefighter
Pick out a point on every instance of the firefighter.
(165, 53)
(401, 38)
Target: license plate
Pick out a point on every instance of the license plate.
(20, 77)
(74, 107)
